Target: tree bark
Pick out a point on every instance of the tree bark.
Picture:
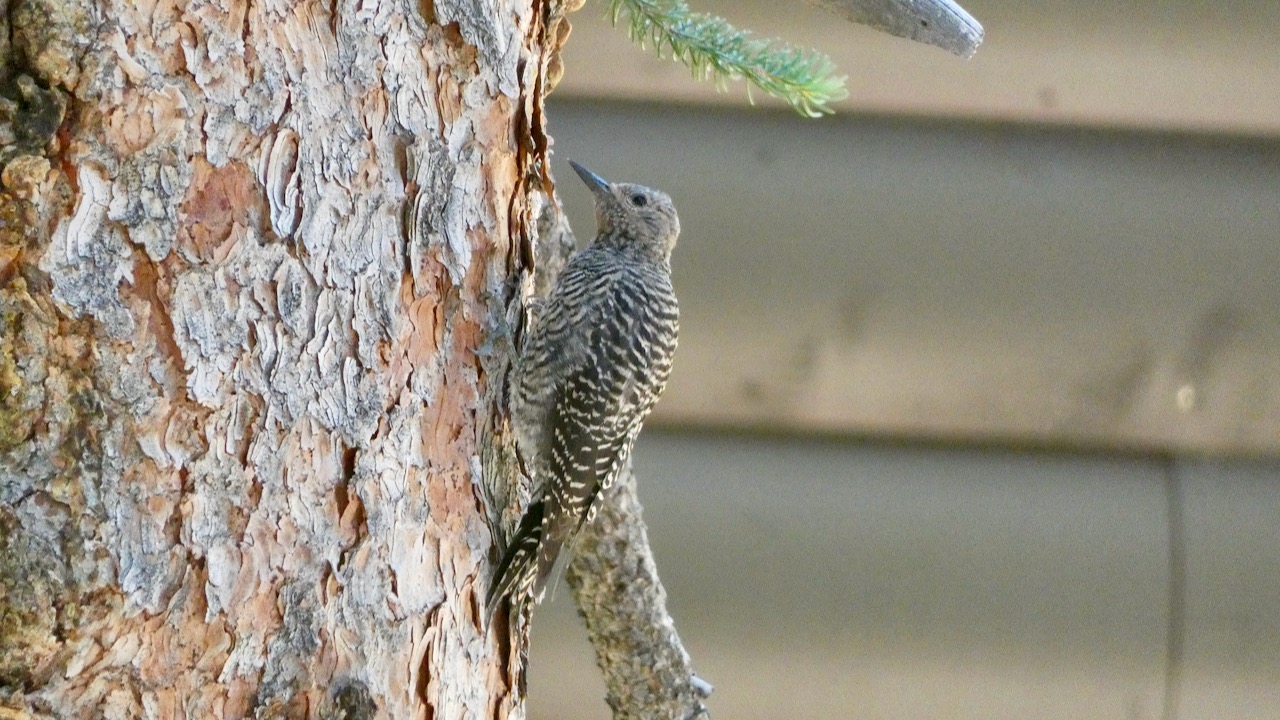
(251, 255)
(647, 673)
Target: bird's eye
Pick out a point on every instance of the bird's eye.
(639, 200)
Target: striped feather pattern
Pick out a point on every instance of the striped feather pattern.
(592, 369)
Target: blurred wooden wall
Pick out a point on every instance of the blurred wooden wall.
(1068, 246)
(959, 280)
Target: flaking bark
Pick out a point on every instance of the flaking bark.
(248, 252)
(253, 261)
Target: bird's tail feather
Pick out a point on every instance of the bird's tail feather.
(551, 542)
(517, 572)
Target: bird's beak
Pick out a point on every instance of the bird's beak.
(597, 184)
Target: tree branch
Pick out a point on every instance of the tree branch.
(941, 23)
(615, 582)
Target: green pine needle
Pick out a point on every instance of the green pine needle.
(714, 49)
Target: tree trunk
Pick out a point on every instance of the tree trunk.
(253, 257)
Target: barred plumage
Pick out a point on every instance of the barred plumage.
(596, 360)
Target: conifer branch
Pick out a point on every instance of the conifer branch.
(714, 49)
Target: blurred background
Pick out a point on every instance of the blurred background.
(976, 413)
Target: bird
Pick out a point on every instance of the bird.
(593, 365)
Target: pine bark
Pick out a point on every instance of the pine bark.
(254, 262)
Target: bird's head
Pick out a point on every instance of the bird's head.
(634, 216)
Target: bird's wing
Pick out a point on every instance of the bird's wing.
(576, 303)
(584, 447)
(558, 343)
(589, 433)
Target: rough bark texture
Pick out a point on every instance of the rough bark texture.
(248, 252)
(254, 264)
(647, 672)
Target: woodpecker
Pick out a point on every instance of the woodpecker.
(594, 364)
